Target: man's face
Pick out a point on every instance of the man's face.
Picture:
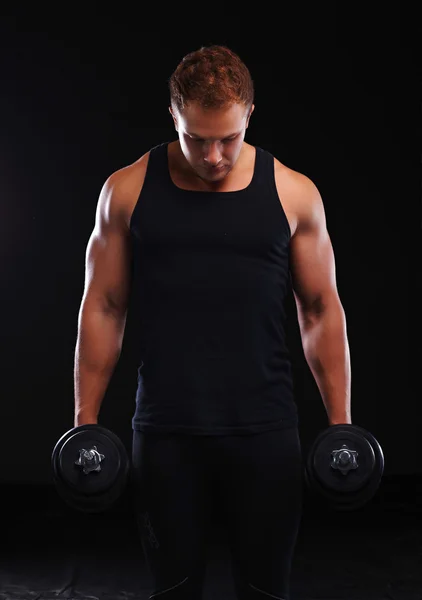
(211, 140)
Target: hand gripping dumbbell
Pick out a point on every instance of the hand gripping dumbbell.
(344, 467)
(90, 468)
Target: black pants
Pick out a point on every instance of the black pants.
(257, 483)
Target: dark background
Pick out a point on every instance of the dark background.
(84, 95)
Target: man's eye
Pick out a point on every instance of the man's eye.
(226, 141)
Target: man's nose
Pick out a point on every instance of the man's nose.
(213, 155)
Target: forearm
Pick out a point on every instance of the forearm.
(98, 347)
(326, 349)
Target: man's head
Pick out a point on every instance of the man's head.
(211, 93)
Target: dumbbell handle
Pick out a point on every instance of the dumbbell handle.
(90, 460)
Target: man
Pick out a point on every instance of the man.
(217, 230)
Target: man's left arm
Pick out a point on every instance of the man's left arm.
(321, 316)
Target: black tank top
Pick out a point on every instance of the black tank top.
(211, 271)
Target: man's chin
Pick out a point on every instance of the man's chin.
(214, 174)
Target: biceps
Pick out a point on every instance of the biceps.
(312, 266)
(107, 269)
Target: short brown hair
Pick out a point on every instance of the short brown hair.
(214, 77)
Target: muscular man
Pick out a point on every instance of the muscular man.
(216, 230)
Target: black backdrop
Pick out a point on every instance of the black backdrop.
(85, 95)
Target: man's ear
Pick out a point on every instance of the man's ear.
(250, 112)
(174, 118)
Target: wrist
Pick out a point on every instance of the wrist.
(339, 422)
(84, 419)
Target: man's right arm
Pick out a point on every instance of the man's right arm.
(103, 310)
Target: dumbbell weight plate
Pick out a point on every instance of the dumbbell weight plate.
(351, 489)
(97, 490)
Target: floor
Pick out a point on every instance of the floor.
(48, 551)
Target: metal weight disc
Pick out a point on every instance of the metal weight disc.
(345, 466)
(337, 441)
(97, 487)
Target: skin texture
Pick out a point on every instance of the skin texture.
(209, 139)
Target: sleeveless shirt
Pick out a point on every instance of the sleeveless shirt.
(211, 271)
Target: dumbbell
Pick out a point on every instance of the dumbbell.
(90, 468)
(344, 467)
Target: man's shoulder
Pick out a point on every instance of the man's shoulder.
(125, 183)
(295, 180)
(295, 184)
(124, 178)
(122, 188)
(297, 191)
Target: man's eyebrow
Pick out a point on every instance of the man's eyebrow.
(198, 136)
